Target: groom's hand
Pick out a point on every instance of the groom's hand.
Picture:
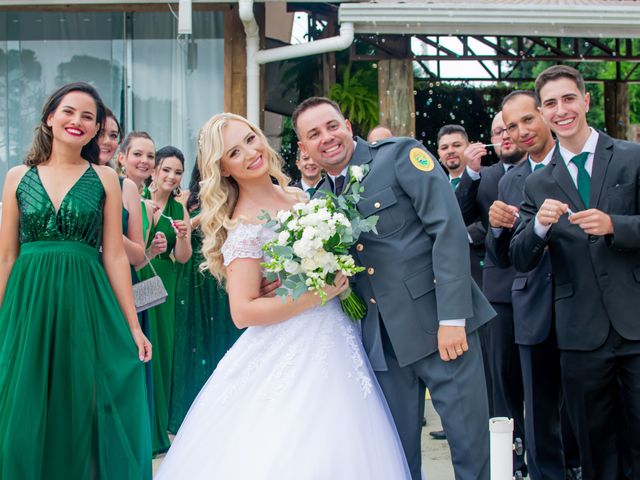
(268, 289)
(452, 342)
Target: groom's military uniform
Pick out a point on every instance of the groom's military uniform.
(418, 274)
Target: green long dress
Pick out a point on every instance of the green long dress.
(72, 390)
(204, 331)
(162, 321)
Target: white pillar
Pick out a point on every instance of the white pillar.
(501, 444)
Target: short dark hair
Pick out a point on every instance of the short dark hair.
(517, 93)
(452, 128)
(560, 71)
(43, 138)
(310, 103)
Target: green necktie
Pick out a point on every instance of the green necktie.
(538, 166)
(584, 179)
(311, 191)
(455, 182)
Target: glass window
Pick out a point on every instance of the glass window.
(163, 85)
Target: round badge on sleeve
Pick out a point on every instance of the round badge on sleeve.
(421, 160)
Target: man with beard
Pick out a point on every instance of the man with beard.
(478, 189)
(532, 297)
(452, 142)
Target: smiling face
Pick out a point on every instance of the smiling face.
(508, 151)
(168, 174)
(74, 123)
(565, 108)
(326, 137)
(309, 170)
(108, 141)
(244, 156)
(450, 150)
(139, 160)
(526, 126)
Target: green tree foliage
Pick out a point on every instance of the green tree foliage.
(357, 95)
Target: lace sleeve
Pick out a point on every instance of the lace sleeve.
(243, 242)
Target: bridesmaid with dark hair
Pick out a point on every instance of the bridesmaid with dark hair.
(169, 220)
(204, 329)
(72, 395)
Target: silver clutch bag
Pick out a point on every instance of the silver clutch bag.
(150, 292)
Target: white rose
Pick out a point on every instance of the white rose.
(283, 216)
(357, 173)
(291, 267)
(308, 264)
(309, 233)
(283, 237)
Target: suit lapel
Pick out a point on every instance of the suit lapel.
(601, 159)
(563, 178)
(361, 154)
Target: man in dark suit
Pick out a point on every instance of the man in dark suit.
(452, 142)
(423, 307)
(532, 300)
(585, 207)
(310, 174)
(477, 190)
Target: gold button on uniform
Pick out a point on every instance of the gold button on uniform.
(359, 247)
(372, 300)
(371, 270)
(377, 204)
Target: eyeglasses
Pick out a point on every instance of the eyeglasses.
(498, 132)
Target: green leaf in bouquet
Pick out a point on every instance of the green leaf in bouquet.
(342, 203)
(264, 216)
(282, 293)
(283, 251)
(269, 276)
(271, 224)
(330, 278)
(299, 290)
(290, 284)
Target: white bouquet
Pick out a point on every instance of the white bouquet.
(313, 243)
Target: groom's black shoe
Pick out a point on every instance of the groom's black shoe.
(438, 435)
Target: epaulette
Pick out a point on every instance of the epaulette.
(386, 141)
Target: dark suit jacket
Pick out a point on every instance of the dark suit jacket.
(417, 264)
(475, 198)
(531, 292)
(597, 278)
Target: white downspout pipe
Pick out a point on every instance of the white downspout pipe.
(257, 57)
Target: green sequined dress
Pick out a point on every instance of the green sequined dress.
(162, 320)
(72, 389)
(204, 331)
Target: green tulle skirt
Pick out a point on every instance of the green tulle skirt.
(72, 389)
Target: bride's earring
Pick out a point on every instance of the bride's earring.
(177, 191)
(153, 188)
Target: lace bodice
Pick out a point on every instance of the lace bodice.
(245, 241)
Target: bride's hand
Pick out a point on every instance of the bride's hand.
(340, 284)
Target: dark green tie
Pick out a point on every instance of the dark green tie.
(538, 166)
(455, 182)
(584, 179)
(311, 191)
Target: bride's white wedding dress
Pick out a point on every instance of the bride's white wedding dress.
(295, 400)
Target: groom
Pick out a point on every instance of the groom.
(423, 307)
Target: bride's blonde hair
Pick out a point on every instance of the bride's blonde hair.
(219, 194)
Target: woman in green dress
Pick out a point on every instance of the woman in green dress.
(168, 219)
(204, 329)
(132, 223)
(72, 394)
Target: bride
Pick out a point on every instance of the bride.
(295, 397)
